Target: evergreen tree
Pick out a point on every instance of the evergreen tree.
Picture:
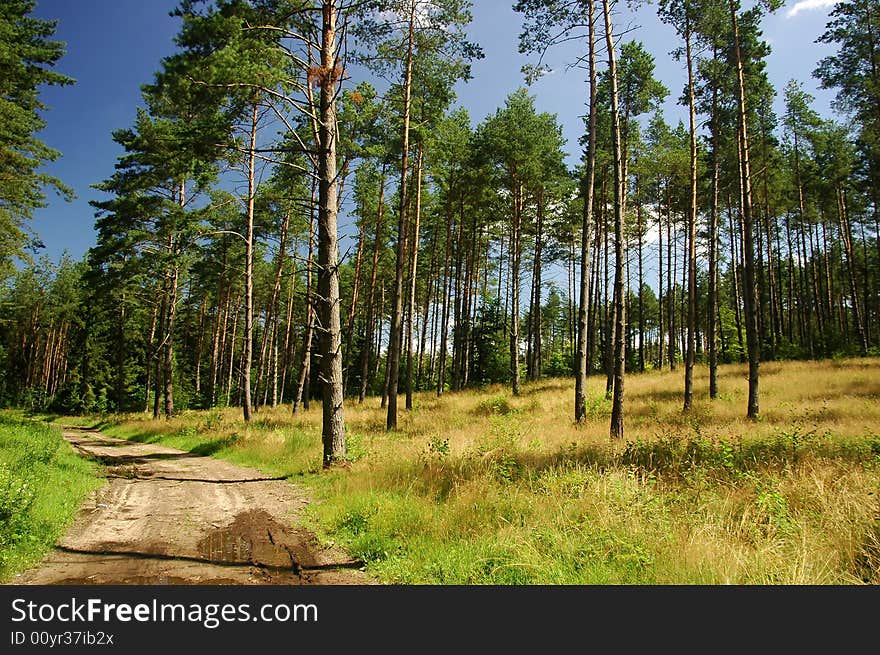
(27, 55)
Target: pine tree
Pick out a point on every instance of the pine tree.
(27, 55)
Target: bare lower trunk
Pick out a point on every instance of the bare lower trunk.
(619, 291)
(302, 396)
(249, 274)
(580, 388)
(413, 268)
(712, 313)
(444, 323)
(333, 430)
(749, 290)
(394, 340)
(377, 249)
(692, 233)
(516, 248)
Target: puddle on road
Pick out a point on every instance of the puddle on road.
(223, 546)
(256, 537)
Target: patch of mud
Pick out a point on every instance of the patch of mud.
(256, 537)
(147, 580)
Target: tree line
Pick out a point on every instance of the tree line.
(478, 255)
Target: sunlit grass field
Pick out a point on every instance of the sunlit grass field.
(485, 488)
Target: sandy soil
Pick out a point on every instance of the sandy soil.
(170, 517)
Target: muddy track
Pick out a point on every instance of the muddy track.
(171, 517)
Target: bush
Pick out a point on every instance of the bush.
(496, 405)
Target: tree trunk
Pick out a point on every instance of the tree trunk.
(749, 290)
(580, 389)
(712, 309)
(660, 280)
(692, 230)
(249, 273)
(846, 233)
(330, 343)
(640, 262)
(516, 254)
(537, 274)
(619, 290)
(371, 299)
(447, 290)
(302, 396)
(394, 339)
(413, 274)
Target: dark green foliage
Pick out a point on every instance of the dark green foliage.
(27, 55)
(90, 337)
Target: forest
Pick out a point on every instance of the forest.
(217, 279)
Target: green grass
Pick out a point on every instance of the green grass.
(42, 484)
(486, 488)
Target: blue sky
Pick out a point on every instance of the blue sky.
(115, 46)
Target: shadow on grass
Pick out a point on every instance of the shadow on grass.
(202, 449)
(660, 396)
(212, 447)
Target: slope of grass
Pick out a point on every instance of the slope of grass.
(486, 488)
(42, 484)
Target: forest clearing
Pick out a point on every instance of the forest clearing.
(639, 346)
(480, 487)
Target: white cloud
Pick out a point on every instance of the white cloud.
(808, 5)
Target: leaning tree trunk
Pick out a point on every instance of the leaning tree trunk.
(168, 372)
(330, 343)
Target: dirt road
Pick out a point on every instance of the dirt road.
(170, 517)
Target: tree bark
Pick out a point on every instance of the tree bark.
(394, 339)
(587, 185)
(247, 406)
(413, 275)
(371, 299)
(619, 290)
(712, 310)
(516, 254)
(692, 227)
(330, 343)
(749, 290)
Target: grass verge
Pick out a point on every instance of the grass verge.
(42, 484)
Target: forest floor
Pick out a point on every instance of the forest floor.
(172, 517)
